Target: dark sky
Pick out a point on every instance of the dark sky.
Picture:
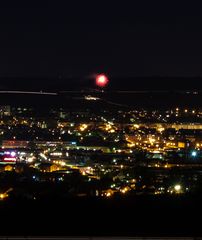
(80, 38)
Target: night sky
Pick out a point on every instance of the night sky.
(78, 39)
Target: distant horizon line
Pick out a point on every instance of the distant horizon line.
(45, 92)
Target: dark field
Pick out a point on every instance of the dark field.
(138, 216)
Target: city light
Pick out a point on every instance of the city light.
(124, 190)
(194, 153)
(161, 129)
(108, 194)
(177, 187)
(2, 196)
(9, 159)
(94, 146)
(13, 154)
(83, 127)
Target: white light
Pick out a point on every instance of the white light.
(194, 154)
(177, 187)
(13, 154)
(30, 159)
(22, 153)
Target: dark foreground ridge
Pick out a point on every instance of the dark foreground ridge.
(107, 99)
(96, 238)
(136, 216)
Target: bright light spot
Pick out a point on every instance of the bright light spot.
(56, 154)
(2, 196)
(62, 163)
(101, 80)
(194, 154)
(30, 159)
(13, 154)
(108, 194)
(10, 159)
(161, 129)
(151, 140)
(136, 126)
(91, 98)
(83, 127)
(43, 156)
(177, 187)
(124, 190)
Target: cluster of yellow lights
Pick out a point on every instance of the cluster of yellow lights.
(62, 163)
(3, 196)
(161, 129)
(136, 126)
(108, 194)
(170, 144)
(60, 125)
(152, 140)
(109, 128)
(124, 190)
(24, 122)
(177, 189)
(186, 110)
(83, 127)
(131, 145)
